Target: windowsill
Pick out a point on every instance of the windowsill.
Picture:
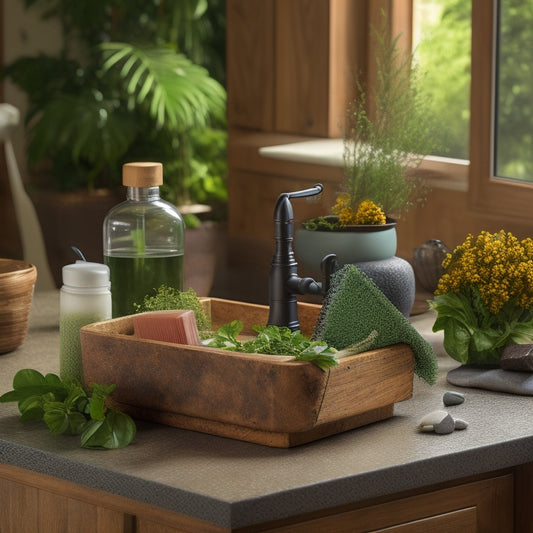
(442, 172)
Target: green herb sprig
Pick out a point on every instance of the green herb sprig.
(274, 340)
(65, 407)
(168, 298)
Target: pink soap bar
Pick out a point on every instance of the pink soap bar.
(168, 326)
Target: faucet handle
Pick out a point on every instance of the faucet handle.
(328, 266)
(312, 191)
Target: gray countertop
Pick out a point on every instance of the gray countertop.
(235, 484)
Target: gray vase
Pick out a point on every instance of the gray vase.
(395, 278)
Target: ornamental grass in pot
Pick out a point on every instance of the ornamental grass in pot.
(388, 133)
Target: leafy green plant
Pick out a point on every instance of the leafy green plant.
(65, 407)
(128, 92)
(327, 223)
(484, 299)
(275, 340)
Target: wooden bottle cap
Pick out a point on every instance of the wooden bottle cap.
(143, 174)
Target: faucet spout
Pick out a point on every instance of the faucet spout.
(284, 282)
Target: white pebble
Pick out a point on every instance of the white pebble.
(440, 422)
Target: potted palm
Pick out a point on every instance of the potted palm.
(120, 89)
(388, 133)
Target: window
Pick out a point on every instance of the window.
(498, 116)
(488, 192)
(441, 44)
(513, 117)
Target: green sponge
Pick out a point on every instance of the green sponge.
(354, 306)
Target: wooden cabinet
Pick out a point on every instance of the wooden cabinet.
(35, 503)
(26, 508)
(481, 506)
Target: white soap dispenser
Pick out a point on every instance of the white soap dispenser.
(84, 298)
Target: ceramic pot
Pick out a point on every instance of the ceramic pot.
(427, 263)
(371, 248)
(353, 245)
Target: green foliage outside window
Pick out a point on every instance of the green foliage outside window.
(444, 58)
(514, 111)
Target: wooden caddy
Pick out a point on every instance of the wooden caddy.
(264, 399)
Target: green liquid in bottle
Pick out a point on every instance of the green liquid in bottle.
(133, 278)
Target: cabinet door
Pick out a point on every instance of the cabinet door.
(27, 509)
(464, 520)
(484, 506)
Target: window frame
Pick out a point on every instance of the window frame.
(487, 192)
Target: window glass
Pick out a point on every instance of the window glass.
(514, 90)
(441, 41)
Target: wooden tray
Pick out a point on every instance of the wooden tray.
(265, 399)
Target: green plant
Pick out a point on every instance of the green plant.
(128, 92)
(167, 298)
(388, 133)
(275, 340)
(484, 300)
(65, 407)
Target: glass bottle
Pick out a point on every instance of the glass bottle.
(84, 298)
(143, 240)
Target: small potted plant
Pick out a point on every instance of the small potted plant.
(388, 133)
(484, 299)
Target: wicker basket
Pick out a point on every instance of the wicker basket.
(17, 280)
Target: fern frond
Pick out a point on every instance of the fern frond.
(176, 92)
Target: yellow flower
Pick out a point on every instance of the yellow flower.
(497, 265)
(369, 213)
(347, 216)
(343, 201)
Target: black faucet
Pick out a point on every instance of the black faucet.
(284, 282)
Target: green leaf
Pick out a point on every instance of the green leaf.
(31, 408)
(177, 93)
(56, 417)
(122, 428)
(77, 423)
(32, 414)
(94, 434)
(323, 361)
(65, 406)
(115, 431)
(12, 396)
(28, 382)
(472, 335)
(97, 408)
